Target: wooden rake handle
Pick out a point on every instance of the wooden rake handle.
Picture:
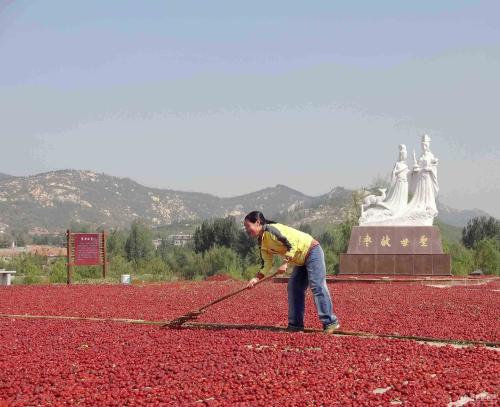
(225, 297)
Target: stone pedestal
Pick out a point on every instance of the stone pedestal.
(395, 250)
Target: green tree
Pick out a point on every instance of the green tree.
(183, 262)
(487, 256)
(219, 231)
(79, 227)
(139, 244)
(327, 238)
(5, 241)
(225, 231)
(203, 238)
(221, 260)
(333, 243)
(351, 219)
(156, 268)
(245, 245)
(331, 261)
(480, 228)
(51, 240)
(116, 242)
(462, 259)
(306, 228)
(20, 238)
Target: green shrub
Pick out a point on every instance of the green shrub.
(250, 271)
(119, 265)
(331, 261)
(86, 272)
(462, 259)
(29, 267)
(184, 262)
(155, 267)
(221, 260)
(58, 272)
(487, 256)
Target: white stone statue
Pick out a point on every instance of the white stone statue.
(394, 210)
(423, 186)
(397, 199)
(370, 200)
(381, 208)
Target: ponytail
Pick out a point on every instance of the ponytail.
(255, 216)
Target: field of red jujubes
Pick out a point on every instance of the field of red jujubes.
(57, 361)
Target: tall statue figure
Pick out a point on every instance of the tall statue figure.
(397, 198)
(423, 186)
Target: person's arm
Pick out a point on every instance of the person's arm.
(289, 244)
(267, 265)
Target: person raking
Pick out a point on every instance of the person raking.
(306, 255)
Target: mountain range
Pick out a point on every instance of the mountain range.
(49, 202)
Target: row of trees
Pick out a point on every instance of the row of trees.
(479, 247)
(219, 246)
(222, 246)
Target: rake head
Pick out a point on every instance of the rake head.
(179, 321)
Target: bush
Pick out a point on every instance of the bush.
(139, 245)
(250, 271)
(58, 272)
(223, 260)
(28, 266)
(480, 228)
(462, 259)
(156, 267)
(119, 265)
(487, 256)
(216, 232)
(32, 279)
(183, 262)
(86, 272)
(116, 243)
(331, 261)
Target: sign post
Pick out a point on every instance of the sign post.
(86, 249)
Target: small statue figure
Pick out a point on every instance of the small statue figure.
(386, 206)
(371, 200)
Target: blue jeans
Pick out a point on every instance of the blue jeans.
(313, 274)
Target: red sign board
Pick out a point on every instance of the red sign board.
(87, 247)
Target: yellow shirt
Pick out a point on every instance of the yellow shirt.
(284, 241)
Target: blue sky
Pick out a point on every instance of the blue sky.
(230, 97)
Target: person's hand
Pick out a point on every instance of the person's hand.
(282, 268)
(252, 282)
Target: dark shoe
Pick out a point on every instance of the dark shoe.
(291, 328)
(329, 329)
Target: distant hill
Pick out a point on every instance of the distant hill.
(4, 176)
(449, 232)
(49, 202)
(458, 217)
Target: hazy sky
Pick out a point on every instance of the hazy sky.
(229, 97)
